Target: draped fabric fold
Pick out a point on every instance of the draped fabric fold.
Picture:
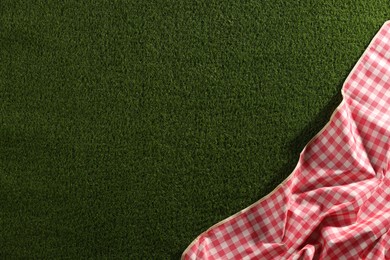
(336, 202)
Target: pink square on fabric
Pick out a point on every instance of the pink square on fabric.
(336, 202)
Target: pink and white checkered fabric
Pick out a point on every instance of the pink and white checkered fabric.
(336, 203)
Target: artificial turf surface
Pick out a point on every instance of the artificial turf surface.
(129, 127)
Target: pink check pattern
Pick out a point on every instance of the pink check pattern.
(336, 203)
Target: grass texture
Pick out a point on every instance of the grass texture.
(127, 128)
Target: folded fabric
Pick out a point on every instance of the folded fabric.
(336, 202)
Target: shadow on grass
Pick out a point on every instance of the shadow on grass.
(299, 142)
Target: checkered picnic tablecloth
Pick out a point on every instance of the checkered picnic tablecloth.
(336, 203)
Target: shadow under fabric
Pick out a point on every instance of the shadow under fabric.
(336, 202)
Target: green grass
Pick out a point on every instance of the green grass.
(129, 127)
